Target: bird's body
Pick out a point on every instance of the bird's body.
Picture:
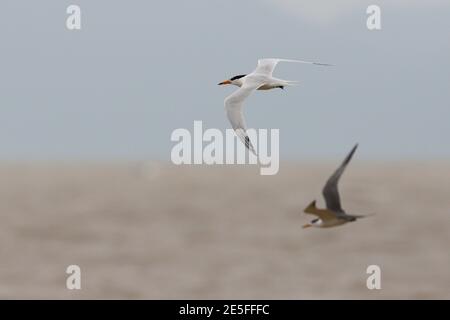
(260, 79)
(333, 215)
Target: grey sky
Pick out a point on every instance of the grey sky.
(139, 69)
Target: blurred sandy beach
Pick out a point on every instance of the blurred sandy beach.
(153, 231)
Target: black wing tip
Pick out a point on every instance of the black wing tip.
(248, 144)
(311, 207)
(323, 64)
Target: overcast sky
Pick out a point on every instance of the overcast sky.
(140, 69)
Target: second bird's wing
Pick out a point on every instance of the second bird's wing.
(234, 105)
(330, 191)
(266, 66)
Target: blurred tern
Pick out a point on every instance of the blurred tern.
(260, 79)
(333, 215)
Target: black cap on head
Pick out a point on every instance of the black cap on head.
(238, 77)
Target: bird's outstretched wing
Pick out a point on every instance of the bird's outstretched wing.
(322, 214)
(330, 191)
(234, 105)
(266, 66)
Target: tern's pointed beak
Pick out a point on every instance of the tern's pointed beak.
(224, 82)
(307, 225)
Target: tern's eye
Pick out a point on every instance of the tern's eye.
(315, 220)
(238, 77)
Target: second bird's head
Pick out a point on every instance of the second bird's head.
(236, 80)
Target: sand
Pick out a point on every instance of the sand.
(154, 231)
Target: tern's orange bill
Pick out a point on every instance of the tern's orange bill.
(307, 225)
